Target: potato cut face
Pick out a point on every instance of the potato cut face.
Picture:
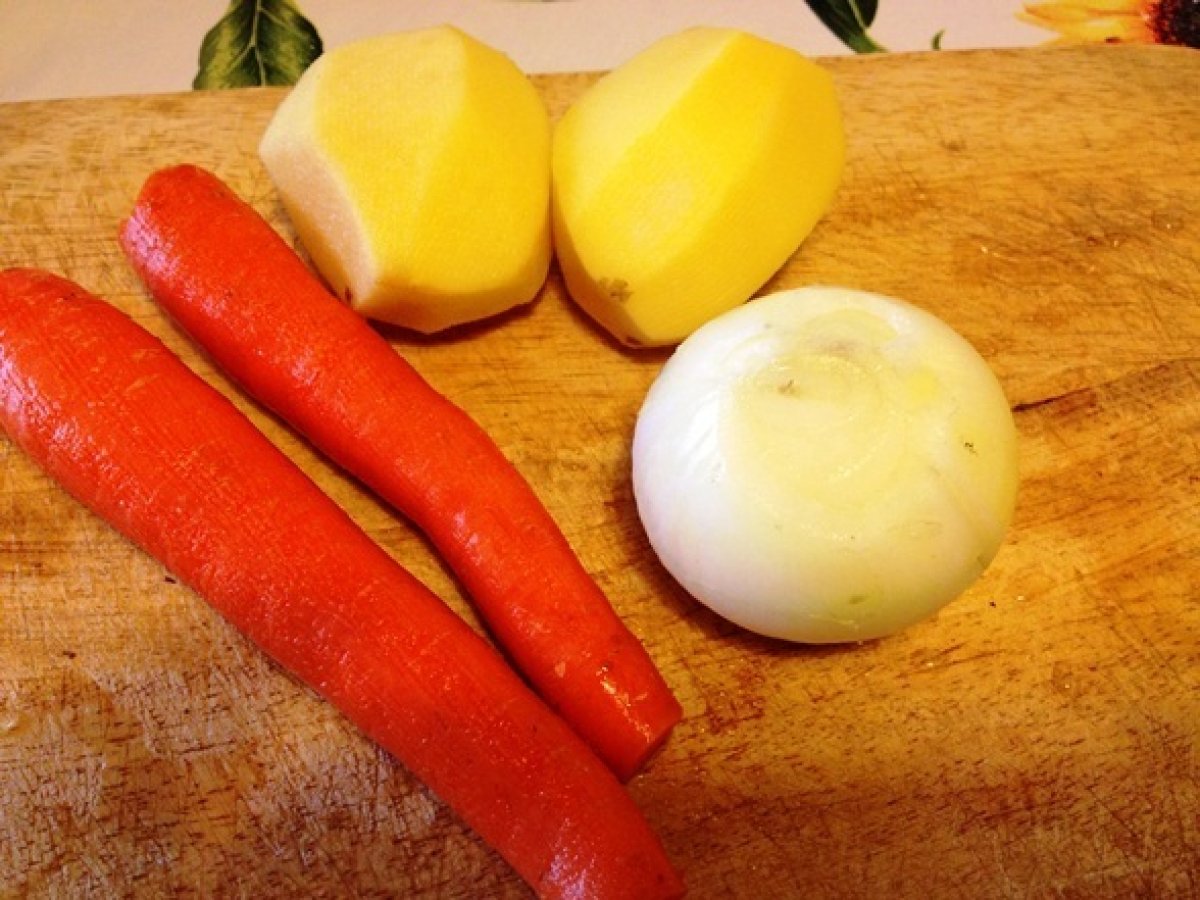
(687, 177)
(415, 168)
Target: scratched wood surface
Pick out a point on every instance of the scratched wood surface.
(1038, 738)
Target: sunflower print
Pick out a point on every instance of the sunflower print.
(1118, 21)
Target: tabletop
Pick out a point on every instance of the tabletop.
(59, 48)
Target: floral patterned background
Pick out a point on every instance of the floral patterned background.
(60, 48)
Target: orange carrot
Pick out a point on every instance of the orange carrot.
(220, 270)
(129, 430)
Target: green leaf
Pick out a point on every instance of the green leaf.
(849, 20)
(257, 42)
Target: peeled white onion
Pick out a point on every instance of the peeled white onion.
(825, 465)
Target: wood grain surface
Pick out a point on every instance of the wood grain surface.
(1038, 738)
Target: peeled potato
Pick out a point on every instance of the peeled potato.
(415, 168)
(825, 465)
(688, 176)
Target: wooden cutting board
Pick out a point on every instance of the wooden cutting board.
(1038, 738)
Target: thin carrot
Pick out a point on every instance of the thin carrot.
(131, 432)
(237, 287)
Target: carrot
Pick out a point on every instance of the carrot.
(131, 432)
(242, 293)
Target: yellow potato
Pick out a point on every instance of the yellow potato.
(415, 168)
(688, 176)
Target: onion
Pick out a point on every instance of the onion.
(825, 465)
